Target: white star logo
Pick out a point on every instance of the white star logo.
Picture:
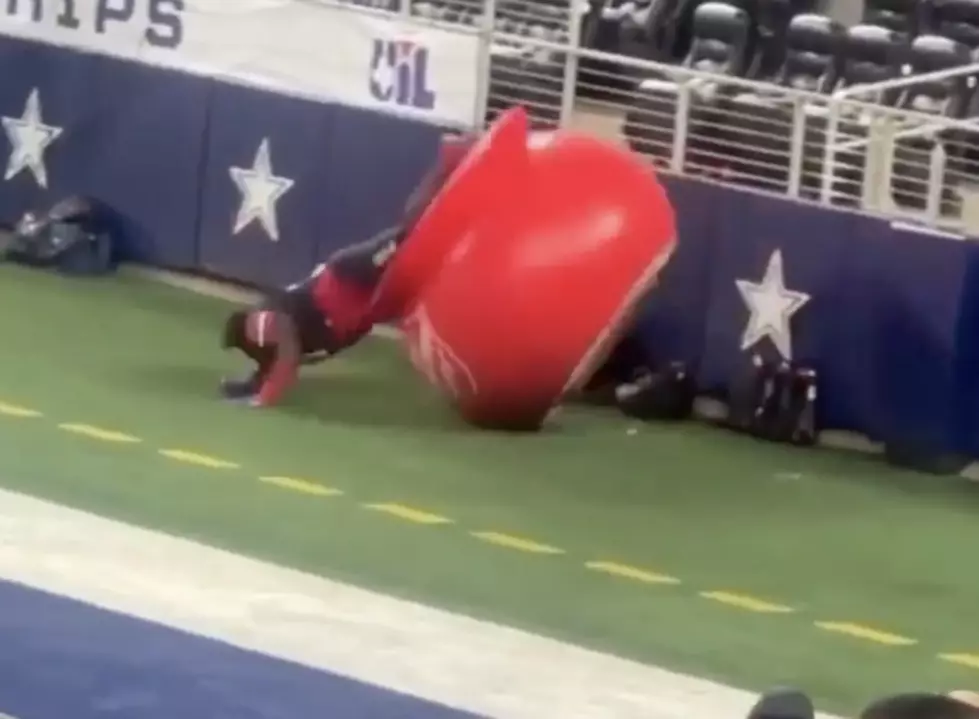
(771, 306)
(29, 138)
(260, 191)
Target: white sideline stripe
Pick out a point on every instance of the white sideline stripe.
(467, 664)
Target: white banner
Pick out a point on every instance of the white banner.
(298, 47)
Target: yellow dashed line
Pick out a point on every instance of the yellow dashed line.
(635, 573)
(301, 485)
(418, 516)
(105, 435)
(747, 602)
(202, 460)
(965, 660)
(409, 514)
(13, 410)
(859, 631)
(521, 545)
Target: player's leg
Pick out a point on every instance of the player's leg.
(364, 262)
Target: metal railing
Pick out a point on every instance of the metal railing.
(907, 80)
(941, 145)
(842, 149)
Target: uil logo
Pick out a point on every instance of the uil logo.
(434, 358)
(399, 74)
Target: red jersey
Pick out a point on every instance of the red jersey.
(345, 306)
(333, 308)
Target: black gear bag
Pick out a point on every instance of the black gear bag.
(70, 237)
(775, 401)
(664, 394)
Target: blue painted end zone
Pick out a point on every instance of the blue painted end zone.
(61, 658)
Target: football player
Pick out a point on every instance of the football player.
(330, 310)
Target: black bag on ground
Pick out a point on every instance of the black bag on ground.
(750, 398)
(627, 362)
(775, 401)
(665, 394)
(69, 237)
(795, 419)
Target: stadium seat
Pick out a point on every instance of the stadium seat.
(903, 16)
(719, 46)
(640, 32)
(631, 21)
(671, 24)
(948, 98)
(931, 53)
(814, 54)
(603, 79)
(720, 39)
(662, 28)
(758, 136)
(873, 54)
(954, 19)
(772, 22)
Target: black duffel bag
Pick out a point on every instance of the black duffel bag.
(70, 237)
(667, 393)
(775, 401)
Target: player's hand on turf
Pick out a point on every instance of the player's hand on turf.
(240, 392)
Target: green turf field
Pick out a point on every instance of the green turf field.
(679, 545)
